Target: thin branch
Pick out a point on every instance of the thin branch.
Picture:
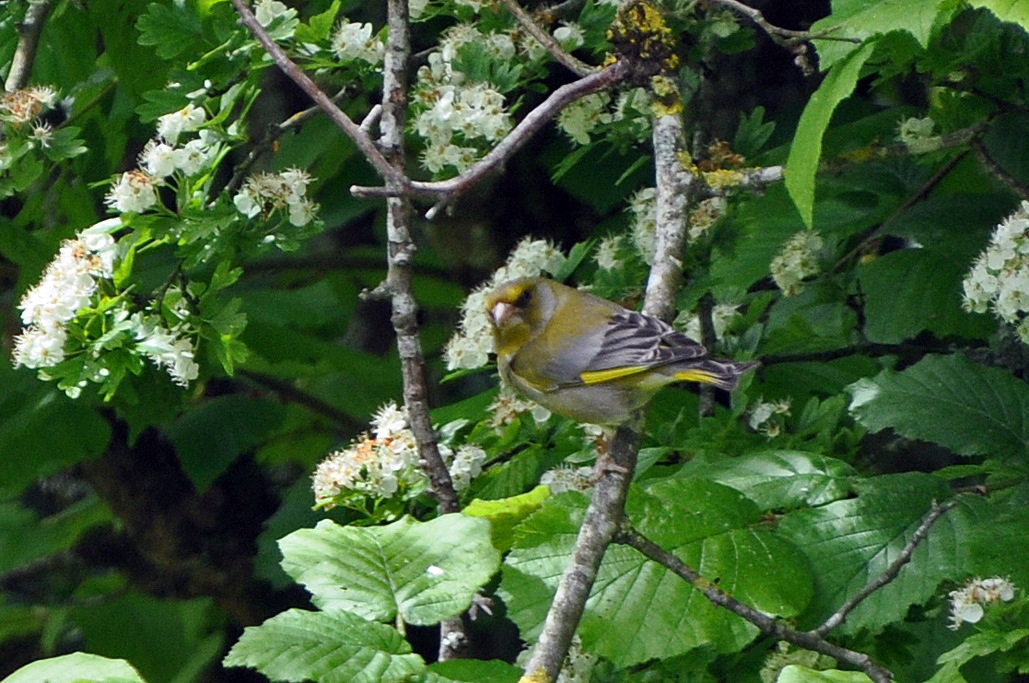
(273, 133)
(997, 172)
(891, 572)
(602, 519)
(574, 65)
(29, 30)
(291, 394)
(512, 142)
(775, 32)
(767, 624)
(364, 143)
(606, 510)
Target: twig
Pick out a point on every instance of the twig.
(891, 572)
(398, 284)
(997, 172)
(602, 519)
(577, 67)
(364, 143)
(273, 133)
(775, 32)
(29, 30)
(607, 506)
(767, 624)
(288, 392)
(512, 142)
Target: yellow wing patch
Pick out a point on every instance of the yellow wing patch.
(696, 376)
(611, 374)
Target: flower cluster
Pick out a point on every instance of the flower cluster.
(464, 464)
(917, 135)
(607, 254)
(170, 349)
(631, 109)
(966, 603)
(643, 207)
(67, 285)
(1000, 275)
(470, 347)
(722, 315)
(454, 117)
(285, 192)
(380, 464)
(567, 478)
(767, 417)
(135, 191)
(508, 406)
(797, 260)
(21, 106)
(354, 41)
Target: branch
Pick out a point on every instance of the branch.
(891, 572)
(515, 140)
(767, 624)
(288, 392)
(29, 30)
(547, 41)
(398, 285)
(997, 172)
(607, 506)
(781, 35)
(602, 519)
(364, 143)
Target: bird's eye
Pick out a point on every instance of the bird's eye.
(524, 298)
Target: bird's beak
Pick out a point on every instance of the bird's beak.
(500, 312)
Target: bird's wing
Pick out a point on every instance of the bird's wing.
(632, 343)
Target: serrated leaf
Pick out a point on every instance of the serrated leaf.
(862, 19)
(1015, 11)
(505, 514)
(969, 408)
(806, 150)
(850, 542)
(780, 479)
(75, 668)
(337, 647)
(425, 572)
(638, 610)
(170, 29)
(801, 674)
(911, 290)
(976, 645)
(472, 671)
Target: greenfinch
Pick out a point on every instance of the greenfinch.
(590, 359)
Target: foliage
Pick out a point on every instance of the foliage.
(183, 263)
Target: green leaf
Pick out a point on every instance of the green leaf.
(76, 668)
(337, 647)
(210, 437)
(911, 290)
(806, 150)
(850, 542)
(169, 28)
(472, 671)
(507, 513)
(1015, 11)
(863, 19)
(976, 645)
(780, 479)
(639, 610)
(801, 674)
(425, 572)
(968, 408)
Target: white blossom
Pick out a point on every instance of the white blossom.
(169, 349)
(354, 41)
(999, 277)
(583, 116)
(158, 159)
(643, 206)
(135, 191)
(966, 603)
(797, 260)
(267, 11)
(606, 254)
(189, 118)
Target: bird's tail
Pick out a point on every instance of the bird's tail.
(724, 374)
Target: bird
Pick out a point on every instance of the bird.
(590, 359)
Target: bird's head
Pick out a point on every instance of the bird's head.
(519, 310)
